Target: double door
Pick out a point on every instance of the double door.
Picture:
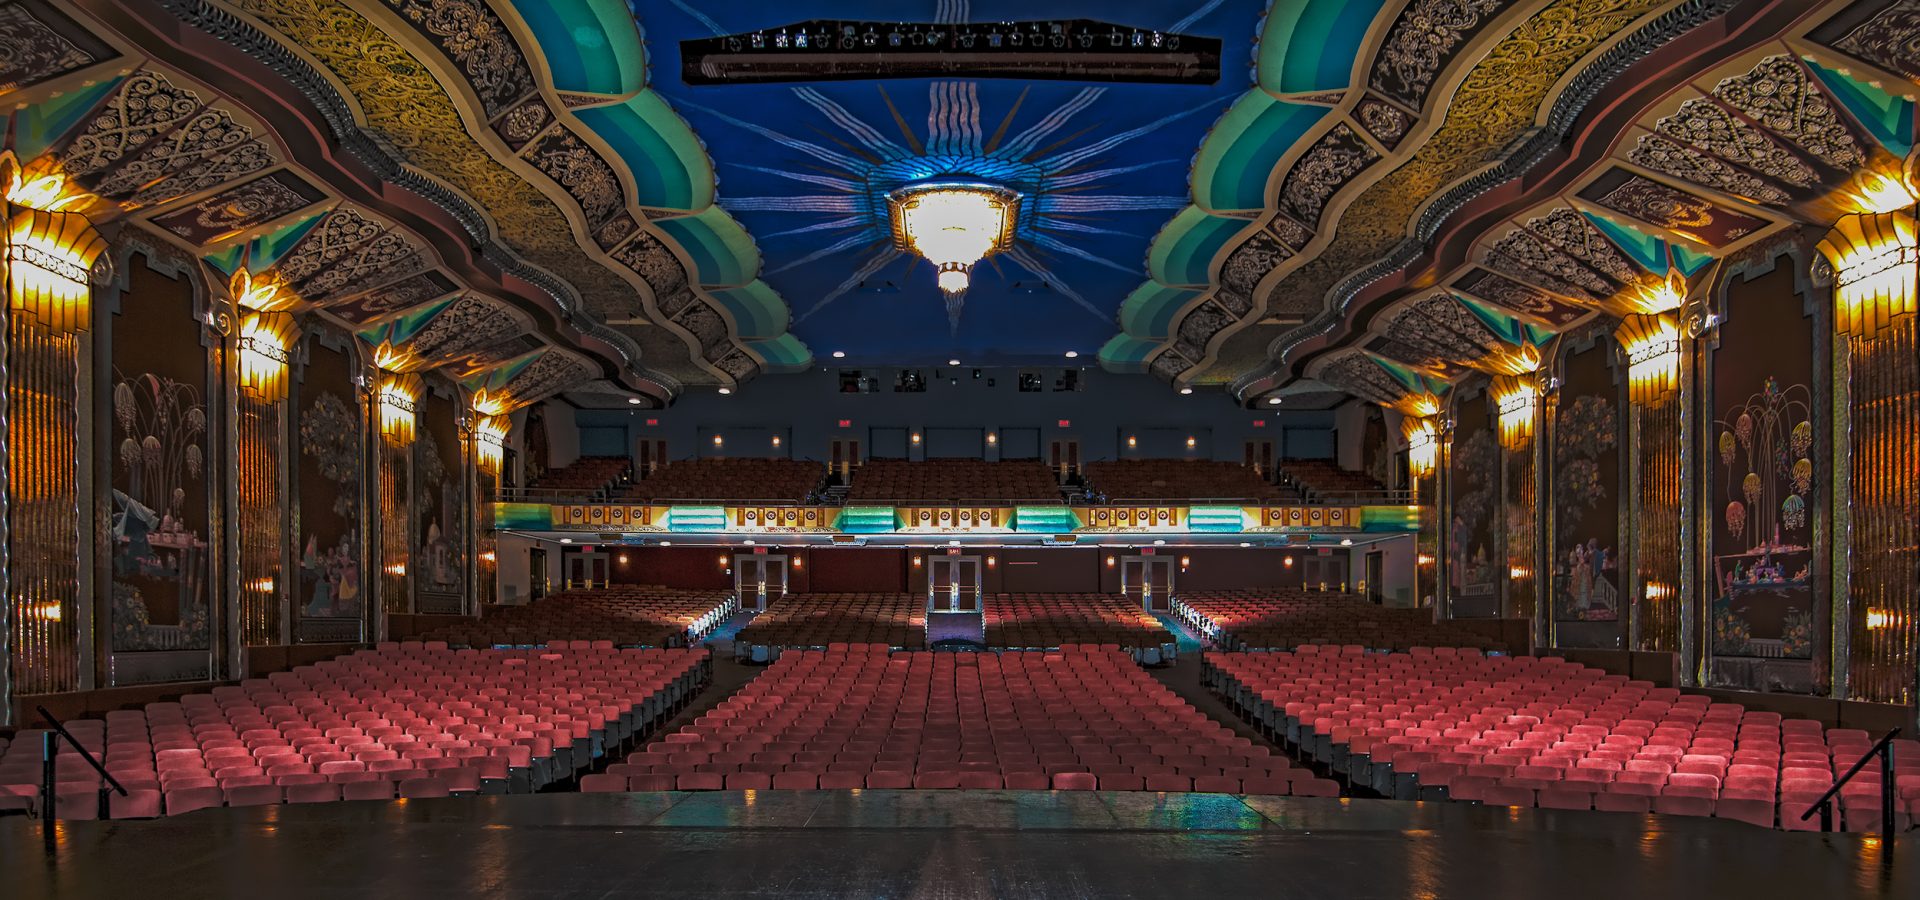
(1148, 581)
(759, 579)
(953, 584)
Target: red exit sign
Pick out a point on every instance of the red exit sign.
(653, 422)
(846, 423)
(1259, 423)
(1066, 423)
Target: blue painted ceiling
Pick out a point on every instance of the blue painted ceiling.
(805, 168)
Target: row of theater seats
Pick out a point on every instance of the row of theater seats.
(1443, 723)
(1285, 618)
(940, 481)
(777, 480)
(817, 620)
(1323, 481)
(1175, 480)
(1082, 718)
(1050, 620)
(625, 615)
(592, 477)
(412, 720)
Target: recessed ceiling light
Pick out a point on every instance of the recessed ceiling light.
(1073, 354)
(634, 400)
(1273, 401)
(748, 542)
(953, 362)
(1348, 542)
(1159, 543)
(1246, 543)
(1185, 391)
(953, 543)
(726, 390)
(839, 354)
(566, 540)
(666, 543)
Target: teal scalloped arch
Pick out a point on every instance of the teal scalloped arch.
(1312, 46)
(758, 312)
(1239, 155)
(591, 46)
(1182, 253)
(1148, 311)
(1124, 355)
(670, 169)
(723, 253)
(783, 354)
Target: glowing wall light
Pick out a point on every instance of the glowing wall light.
(397, 397)
(1653, 356)
(492, 403)
(1419, 406)
(264, 292)
(1878, 619)
(265, 346)
(1523, 359)
(1518, 399)
(1423, 446)
(1664, 295)
(490, 441)
(50, 246)
(1874, 258)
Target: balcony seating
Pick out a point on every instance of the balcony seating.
(858, 716)
(949, 481)
(1523, 731)
(431, 720)
(620, 615)
(589, 477)
(1050, 620)
(1174, 480)
(1323, 481)
(1283, 619)
(729, 480)
(818, 620)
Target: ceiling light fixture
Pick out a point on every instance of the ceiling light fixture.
(1073, 354)
(1185, 391)
(634, 401)
(839, 354)
(953, 225)
(1273, 401)
(725, 391)
(953, 362)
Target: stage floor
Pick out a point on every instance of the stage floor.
(939, 844)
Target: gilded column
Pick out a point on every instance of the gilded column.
(1653, 345)
(1875, 258)
(1423, 450)
(489, 445)
(395, 404)
(1518, 399)
(49, 247)
(264, 350)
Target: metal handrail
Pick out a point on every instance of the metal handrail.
(50, 750)
(1824, 806)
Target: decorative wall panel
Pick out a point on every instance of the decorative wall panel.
(331, 601)
(43, 583)
(1474, 558)
(1586, 492)
(262, 519)
(1764, 486)
(163, 558)
(1520, 518)
(1884, 585)
(439, 558)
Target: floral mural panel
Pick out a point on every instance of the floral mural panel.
(330, 444)
(161, 579)
(1764, 483)
(1586, 482)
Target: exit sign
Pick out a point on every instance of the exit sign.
(1066, 423)
(651, 422)
(846, 423)
(1259, 423)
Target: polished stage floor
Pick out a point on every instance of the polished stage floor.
(939, 844)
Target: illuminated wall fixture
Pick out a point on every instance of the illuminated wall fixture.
(262, 292)
(916, 437)
(396, 358)
(991, 562)
(266, 342)
(488, 557)
(1419, 406)
(1287, 561)
(1191, 443)
(1664, 295)
(397, 395)
(992, 439)
(776, 440)
(50, 246)
(623, 559)
(1423, 446)
(916, 562)
(1518, 398)
(719, 441)
(490, 441)
(953, 225)
(1658, 591)
(491, 403)
(1652, 343)
(1186, 561)
(1109, 562)
(1523, 359)
(1518, 572)
(1874, 258)
(1132, 442)
(1874, 191)
(796, 562)
(1878, 619)
(723, 559)
(1425, 559)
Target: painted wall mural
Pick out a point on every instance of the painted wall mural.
(1586, 481)
(332, 594)
(440, 521)
(161, 575)
(1764, 487)
(1474, 561)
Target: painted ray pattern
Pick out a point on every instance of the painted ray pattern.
(807, 168)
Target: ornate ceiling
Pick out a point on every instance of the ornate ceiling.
(1375, 198)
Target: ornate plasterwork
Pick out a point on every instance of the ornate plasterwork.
(412, 113)
(1386, 122)
(1669, 158)
(552, 371)
(1780, 95)
(1323, 170)
(1890, 39)
(155, 139)
(561, 156)
(1422, 41)
(471, 35)
(240, 207)
(1710, 127)
(470, 324)
(1495, 105)
(1353, 372)
(33, 50)
(350, 248)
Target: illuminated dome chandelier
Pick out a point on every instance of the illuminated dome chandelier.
(953, 225)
